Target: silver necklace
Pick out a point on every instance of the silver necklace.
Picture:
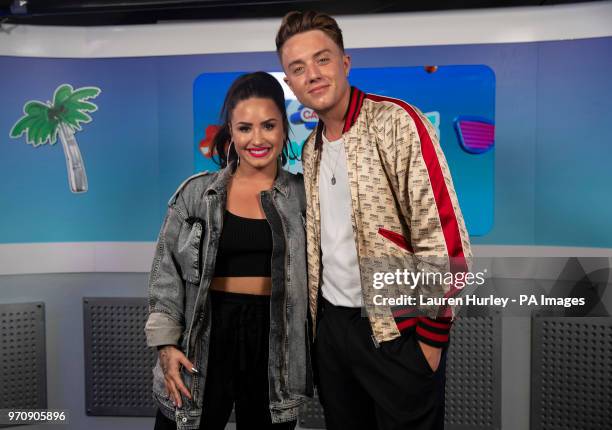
(338, 151)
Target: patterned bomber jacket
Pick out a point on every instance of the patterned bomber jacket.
(405, 213)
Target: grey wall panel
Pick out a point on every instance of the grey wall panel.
(571, 372)
(311, 414)
(473, 374)
(117, 361)
(23, 370)
(62, 295)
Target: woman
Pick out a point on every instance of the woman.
(227, 289)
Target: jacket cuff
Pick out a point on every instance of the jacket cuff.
(161, 346)
(161, 329)
(434, 332)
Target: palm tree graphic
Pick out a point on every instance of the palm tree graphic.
(43, 122)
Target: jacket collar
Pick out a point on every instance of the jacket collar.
(219, 184)
(350, 117)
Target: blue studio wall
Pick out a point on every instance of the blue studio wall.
(552, 146)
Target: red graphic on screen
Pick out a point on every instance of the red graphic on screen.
(206, 144)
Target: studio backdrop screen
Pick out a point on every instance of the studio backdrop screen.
(142, 125)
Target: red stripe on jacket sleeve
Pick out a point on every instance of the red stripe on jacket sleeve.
(433, 339)
(444, 204)
(446, 212)
(433, 332)
(407, 323)
(444, 324)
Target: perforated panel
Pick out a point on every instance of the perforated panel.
(23, 377)
(118, 364)
(571, 372)
(473, 374)
(311, 414)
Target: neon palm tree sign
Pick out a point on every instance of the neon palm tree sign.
(44, 122)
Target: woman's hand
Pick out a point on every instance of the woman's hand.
(170, 360)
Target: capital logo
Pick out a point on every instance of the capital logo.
(305, 116)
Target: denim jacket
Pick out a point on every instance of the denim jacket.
(183, 267)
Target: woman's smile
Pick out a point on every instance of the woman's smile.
(259, 152)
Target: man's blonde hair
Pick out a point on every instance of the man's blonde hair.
(297, 22)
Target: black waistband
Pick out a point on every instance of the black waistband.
(326, 305)
(225, 297)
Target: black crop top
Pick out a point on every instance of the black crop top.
(245, 247)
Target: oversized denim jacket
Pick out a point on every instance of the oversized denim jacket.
(179, 306)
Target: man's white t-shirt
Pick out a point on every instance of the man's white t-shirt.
(341, 284)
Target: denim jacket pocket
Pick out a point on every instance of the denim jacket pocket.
(189, 250)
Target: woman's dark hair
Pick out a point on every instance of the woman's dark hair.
(251, 85)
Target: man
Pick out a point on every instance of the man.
(378, 190)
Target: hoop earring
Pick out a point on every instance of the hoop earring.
(228, 151)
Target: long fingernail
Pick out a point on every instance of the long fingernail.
(194, 370)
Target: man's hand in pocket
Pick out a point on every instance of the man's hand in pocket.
(432, 354)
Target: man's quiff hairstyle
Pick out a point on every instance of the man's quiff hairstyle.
(297, 22)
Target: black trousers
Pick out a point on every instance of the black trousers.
(391, 387)
(237, 374)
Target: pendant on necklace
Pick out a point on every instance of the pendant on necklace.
(333, 180)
